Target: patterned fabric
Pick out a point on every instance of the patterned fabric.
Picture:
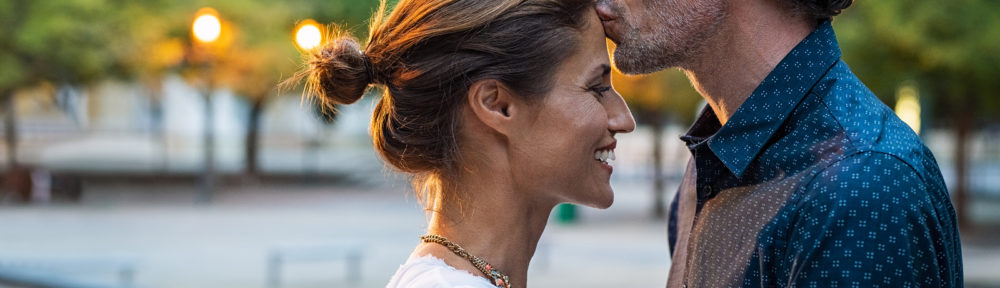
(815, 183)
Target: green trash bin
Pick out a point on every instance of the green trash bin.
(566, 213)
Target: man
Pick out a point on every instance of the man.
(799, 175)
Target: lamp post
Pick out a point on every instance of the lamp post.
(206, 30)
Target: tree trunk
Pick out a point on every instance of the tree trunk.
(10, 129)
(17, 179)
(659, 207)
(963, 123)
(252, 138)
(157, 127)
(208, 173)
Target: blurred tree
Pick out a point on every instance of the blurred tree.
(656, 100)
(949, 49)
(258, 54)
(257, 57)
(157, 47)
(258, 61)
(82, 42)
(44, 42)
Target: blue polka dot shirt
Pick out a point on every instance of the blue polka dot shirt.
(815, 183)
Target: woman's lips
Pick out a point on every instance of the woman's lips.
(606, 155)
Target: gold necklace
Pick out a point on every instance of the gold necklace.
(499, 279)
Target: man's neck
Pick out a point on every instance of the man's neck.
(751, 43)
(492, 222)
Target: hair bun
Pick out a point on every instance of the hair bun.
(339, 73)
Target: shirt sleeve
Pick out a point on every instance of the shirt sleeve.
(866, 221)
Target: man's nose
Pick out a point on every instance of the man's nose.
(604, 10)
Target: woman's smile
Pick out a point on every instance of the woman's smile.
(606, 156)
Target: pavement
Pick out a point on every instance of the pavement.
(172, 242)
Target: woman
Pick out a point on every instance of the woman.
(499, 110)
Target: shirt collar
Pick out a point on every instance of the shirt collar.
(740, 141)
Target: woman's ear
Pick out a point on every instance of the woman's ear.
(493, 104)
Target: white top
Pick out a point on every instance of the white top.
(431, 272)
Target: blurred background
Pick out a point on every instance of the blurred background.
(144, 144)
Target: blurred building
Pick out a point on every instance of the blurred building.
(121, 129)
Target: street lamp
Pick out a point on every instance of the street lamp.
(206, 29)
(308, 34)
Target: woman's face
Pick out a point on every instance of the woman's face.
(565, 151)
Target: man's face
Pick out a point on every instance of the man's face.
(653, 35)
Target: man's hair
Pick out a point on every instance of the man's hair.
(820, 9)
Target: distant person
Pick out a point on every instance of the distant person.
(799, 175)
(499, 110)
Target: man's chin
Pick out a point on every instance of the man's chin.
(622, 62)
(633, 63)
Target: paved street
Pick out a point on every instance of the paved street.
(175, 243)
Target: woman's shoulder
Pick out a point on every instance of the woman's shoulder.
(431, 272)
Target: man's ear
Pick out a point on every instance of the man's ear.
(493, 104)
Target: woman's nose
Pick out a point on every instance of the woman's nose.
(620, 119)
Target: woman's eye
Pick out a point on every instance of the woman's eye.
(599, 90)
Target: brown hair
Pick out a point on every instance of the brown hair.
(427, 53)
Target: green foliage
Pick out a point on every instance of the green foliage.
(951, 49)
(45, 40)
(83, 41)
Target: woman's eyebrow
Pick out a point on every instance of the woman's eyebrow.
(599, 73)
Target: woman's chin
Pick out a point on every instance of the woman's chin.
(602, 200)
(605, 204)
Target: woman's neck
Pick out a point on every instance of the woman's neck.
(493, 222)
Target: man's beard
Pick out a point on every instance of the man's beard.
(673, 41)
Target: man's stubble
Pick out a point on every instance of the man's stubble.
(676, 31)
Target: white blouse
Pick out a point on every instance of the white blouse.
(431, 272)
